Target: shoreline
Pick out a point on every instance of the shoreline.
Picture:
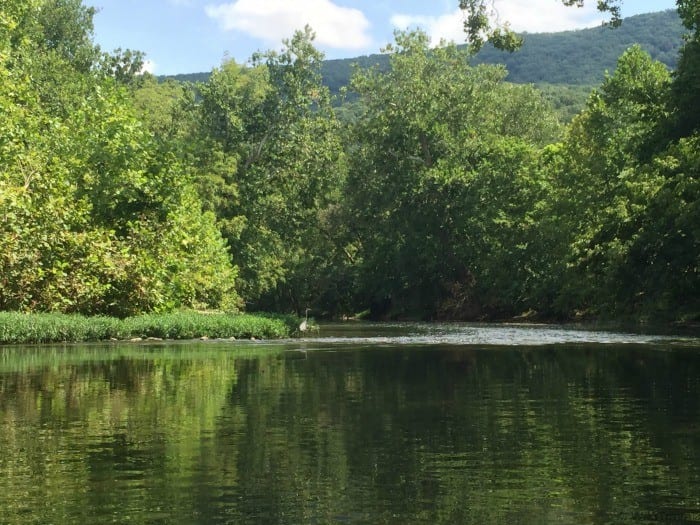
(42, 328)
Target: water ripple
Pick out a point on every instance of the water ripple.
(482, 335)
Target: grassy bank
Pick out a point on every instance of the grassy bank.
(18, 328)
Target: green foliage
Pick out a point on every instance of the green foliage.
(124, 66)
(86, 191)
(439, 189)
(64, 28)
(566, 100)
(686, 84)
(689, 11)
(188, 325)
(610, 184)
(439, 183)
(582, 57)
(164, 108)
(576, 58)
(270, 159)
(17, 328)
(665, 251)
(479, 26)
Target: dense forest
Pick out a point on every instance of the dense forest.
(564, 66)
(451, 193)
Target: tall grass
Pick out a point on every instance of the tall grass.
(189, 325)
(18, 328)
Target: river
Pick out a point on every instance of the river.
(361, 423)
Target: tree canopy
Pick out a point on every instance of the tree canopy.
(97, 217)
(445, 192)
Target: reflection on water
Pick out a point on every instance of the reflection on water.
(350, 433)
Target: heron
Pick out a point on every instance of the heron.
(305, 323)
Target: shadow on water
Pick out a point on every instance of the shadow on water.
(370, 424)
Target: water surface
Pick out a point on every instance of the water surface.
(379, 424)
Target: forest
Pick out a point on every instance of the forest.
(452, 193)
(565, 66)
(577, 58)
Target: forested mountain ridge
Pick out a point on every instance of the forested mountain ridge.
(569, 57)
(582, 57)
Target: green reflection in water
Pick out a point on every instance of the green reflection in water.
(214, 433)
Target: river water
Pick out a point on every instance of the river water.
(371, 424)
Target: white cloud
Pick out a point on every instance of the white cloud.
(272, 20)
(447, 27)
(149, 66)
(533, 16)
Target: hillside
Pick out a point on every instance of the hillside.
(582, 57)
(575, 58)
(569, 57)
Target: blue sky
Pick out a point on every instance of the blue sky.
(188, 36)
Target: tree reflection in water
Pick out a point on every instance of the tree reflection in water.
(213, 433)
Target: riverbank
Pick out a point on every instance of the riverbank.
(20, 328)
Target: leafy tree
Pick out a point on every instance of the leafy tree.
(439, 184)
(65, 28)
(86, 193)
(125, 66)
(165, 107)
(625, 200)
(605, 185)
(686, 85)
(270, 164)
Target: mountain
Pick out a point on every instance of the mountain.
(574, 58)
(582, 57)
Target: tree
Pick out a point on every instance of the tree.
(439, 187)
(125, 66)
(604, 186)
(480, 27)
(165, 107)
(270, 162)
(65, 27)
(86, 194)
(686, 85)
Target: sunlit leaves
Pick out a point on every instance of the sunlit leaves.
(86, 192)
(269, 140)
(629, 231)
(439, 181)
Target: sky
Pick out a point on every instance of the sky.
(192, 36)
